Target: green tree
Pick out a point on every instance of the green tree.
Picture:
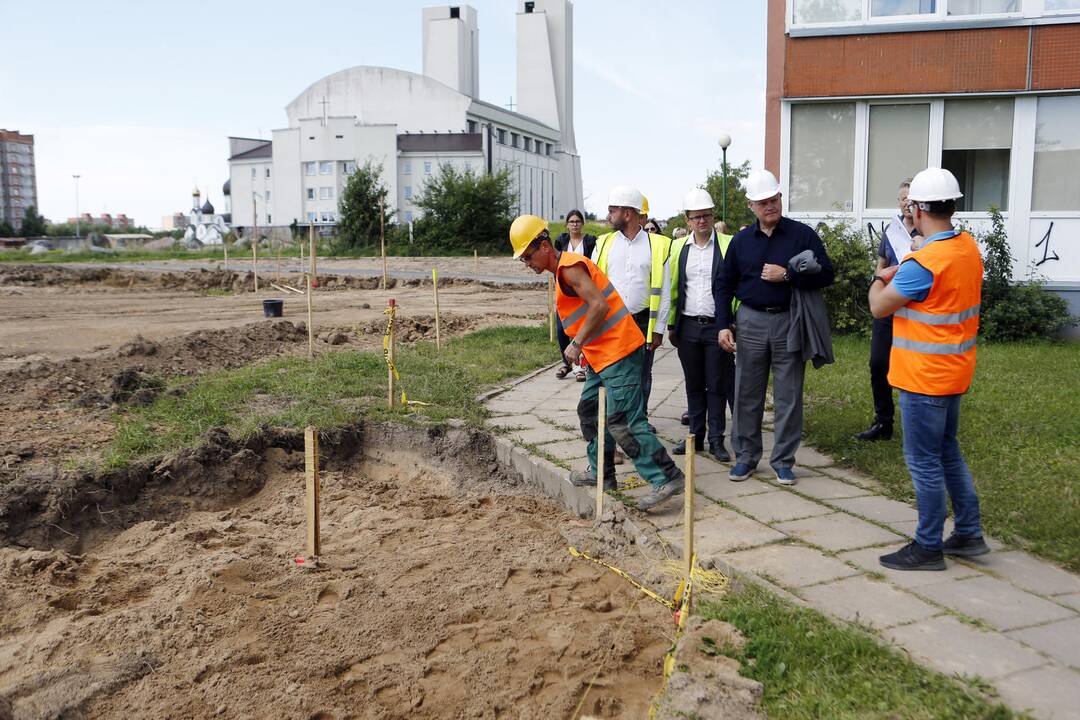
(33, 224)
(463, 211)
(738, 214)
(358, 208)
(6, 230)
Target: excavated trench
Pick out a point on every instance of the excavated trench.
(169, 589)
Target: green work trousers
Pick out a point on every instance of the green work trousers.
(626, 422)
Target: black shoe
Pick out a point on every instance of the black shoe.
(965, 546)
(652, 428)
(685, 419)
(587, 478)
(718, 451)
(662, 493)
(680, 447)
(914, 556)
(877, 431)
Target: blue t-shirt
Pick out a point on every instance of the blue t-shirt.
(912, 280)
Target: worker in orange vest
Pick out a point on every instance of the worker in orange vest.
(603, 331)
(934, 297)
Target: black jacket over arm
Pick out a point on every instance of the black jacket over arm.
(563, 241)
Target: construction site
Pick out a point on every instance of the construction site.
(184, 584)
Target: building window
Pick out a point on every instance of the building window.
(268, 220)
(254, 171)
(408, 168)
(309, 169)
(468, 166)
(326, 193)
(898, 139)
(500, 136)
(827, 11)
(267, 196)
(1062, 5)
(514, 140)
(326, 168)
(267, 172)
(888, 8)
(976, 148)
(408, 216)
(528, 144)
(547, 149)
(312, 217)
(982, 7)
(348, 168)
(408, 192)
(1055, 182)
(822, 157)
(311, 193)
(470, 126)
(427, 167)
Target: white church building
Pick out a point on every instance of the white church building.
(413, 123)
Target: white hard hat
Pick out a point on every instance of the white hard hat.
(934, 184)
(761, 185)
(625, 196)
(697, 199)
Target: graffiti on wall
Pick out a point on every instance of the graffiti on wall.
(1047, 256)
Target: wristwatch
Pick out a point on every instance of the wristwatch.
(786, 277)
(878, 277)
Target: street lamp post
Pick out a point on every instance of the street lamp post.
(76, 204)
(724, 140)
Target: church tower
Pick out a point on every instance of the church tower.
(545, 85)
(452, 47)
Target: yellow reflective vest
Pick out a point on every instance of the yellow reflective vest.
(660, 248)
(676, 251)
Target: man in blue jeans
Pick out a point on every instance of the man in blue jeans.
(934, 297)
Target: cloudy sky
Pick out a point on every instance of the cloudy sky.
(139, 98)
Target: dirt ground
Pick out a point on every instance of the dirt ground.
(438, 596)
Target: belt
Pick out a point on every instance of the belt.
(771, 309)
(701, 319)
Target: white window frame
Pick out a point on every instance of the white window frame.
(311, 193)
(427, 167)
(326, 193)
(311, 169)
(1030, 10)
(328, 164)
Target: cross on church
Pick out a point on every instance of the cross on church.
(324, 102)
(511, 104)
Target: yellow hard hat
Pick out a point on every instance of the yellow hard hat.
(645, 206)
(524, 230)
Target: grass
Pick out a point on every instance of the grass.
(1019, 426)
(813, 668)
(82, 256)
(335, 389)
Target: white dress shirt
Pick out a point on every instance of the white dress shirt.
(629, 267)
(571, 247)
(699, 297)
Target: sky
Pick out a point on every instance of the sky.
(139, 98)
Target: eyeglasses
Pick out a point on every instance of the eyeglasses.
(574, 221)
(700, 218)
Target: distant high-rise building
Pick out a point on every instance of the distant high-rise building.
(18, 179)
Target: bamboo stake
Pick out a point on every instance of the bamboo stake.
(254, 242)
(255, 264)
(311, 495)
(435, 284)
(688, 507)
(390, 355)
(382, 240)
(310, 228)
(551, 308)
(313, 256)
(476, 263)
(225, 245)
(601, 421)
(277, 275)
(310, 324)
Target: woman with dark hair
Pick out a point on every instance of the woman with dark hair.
(652, 226)
(576, 241)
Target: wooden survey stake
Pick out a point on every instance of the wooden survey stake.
(435, 284)
(310, 326)
(254, 243)
(601, 423)
(390, 356)
(476, 264)
(688, 507)
(382, 239)
(313, 256)
(311, 495)
(551, 308)
(225, 245)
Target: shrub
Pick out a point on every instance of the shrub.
(853, 259)
(1014, 311)
(463, 211)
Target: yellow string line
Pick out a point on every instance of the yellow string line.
(670, 605)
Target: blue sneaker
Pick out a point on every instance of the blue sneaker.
(785, 476)
(740, 472)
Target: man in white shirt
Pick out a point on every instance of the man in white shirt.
(636, 263)
(696, 264)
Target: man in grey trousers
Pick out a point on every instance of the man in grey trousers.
(756, 271)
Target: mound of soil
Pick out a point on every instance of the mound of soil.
(444, 590)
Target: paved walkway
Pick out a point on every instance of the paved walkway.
(1007, 617)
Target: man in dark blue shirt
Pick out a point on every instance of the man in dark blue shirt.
(756, 271)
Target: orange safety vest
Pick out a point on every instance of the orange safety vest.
(933, 350)
(617, 337)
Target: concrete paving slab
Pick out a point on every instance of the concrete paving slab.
(1060, 640)
(877, 508)
(1048, 693)
(671, 514)
(542, 435)
(837, 532)
(862, 600)
(1072, 600)
(790, 565)
(725, 532)
(777, 507)
(867, 559)
(1029, 572)
(809, 457)
(509, 406)
(996, 602)
(955, 648)
(718, 487)
(517, 421)
(567, 450)
(825, 488)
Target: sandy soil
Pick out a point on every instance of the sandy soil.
(435, 600)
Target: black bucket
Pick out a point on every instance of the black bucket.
(273, 308)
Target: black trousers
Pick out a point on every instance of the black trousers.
(710, 379)
(880, 346)
(642, 320)
(564, 340)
